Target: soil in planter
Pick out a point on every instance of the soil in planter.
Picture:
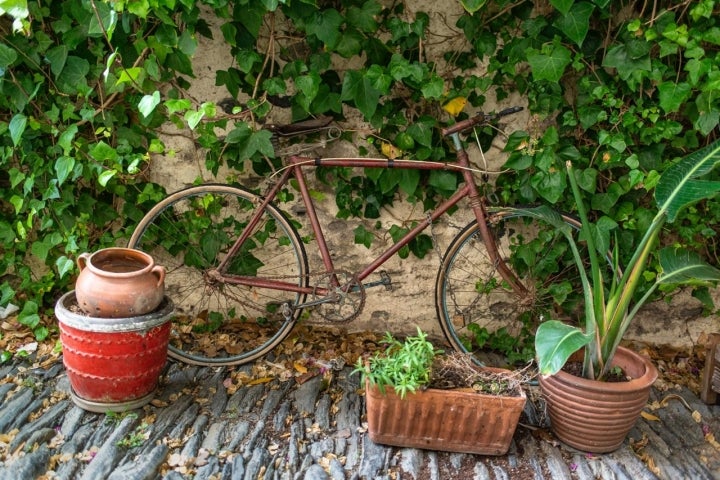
(457, 370)
(576, 369)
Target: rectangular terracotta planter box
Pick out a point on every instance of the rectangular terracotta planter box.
(446, 420)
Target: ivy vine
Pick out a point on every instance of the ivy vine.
(619, 88)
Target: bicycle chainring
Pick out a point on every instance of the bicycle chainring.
(349, 296)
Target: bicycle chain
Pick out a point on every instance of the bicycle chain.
(308, 276)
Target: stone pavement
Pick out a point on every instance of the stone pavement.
(201, 425)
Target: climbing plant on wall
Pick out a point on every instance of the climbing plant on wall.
(619, 88)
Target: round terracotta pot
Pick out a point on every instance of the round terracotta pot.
(119, 283)
(596, 416)
(113, 364)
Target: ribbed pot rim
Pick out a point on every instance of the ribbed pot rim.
(623, 358)
(86, 323)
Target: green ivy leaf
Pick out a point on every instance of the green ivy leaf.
(563, 6)
(17, 127)
(549, 65)
(29, 315)
(433, 88)
(308, 87)
(63, 167)
(443, 181)
(672, 95)
(409, 181)
(326, 25)
(148, 103)
(7, 57)
(362, 236)
(576, 22)
(363, 17)
(64, 265)
(421, 131)
(73, 78)
(105, 176)
(56, 57)
(472, 6)
(101, 151)
(358, 88)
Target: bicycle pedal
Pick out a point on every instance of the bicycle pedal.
(385, 280)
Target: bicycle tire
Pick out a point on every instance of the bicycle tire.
(216, 323)
(480, 313)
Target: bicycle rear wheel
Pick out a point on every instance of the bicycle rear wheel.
(218, 323)
(478, 310)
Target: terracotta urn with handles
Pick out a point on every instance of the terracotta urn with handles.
(119, 283)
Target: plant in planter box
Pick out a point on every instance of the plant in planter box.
(410, 403)
(611, 303)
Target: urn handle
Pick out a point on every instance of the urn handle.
(159, 272)
(82, 260)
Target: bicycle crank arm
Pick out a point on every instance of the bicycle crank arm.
(384, 280)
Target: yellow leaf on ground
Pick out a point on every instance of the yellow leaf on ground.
(258, 381)
(649, 416)
(300, 367)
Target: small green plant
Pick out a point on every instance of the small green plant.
(115, 417)
(137, 437)
(405, 366)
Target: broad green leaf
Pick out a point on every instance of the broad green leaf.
(683, 266)
(28, 316)
(101, 151)
(409, 181)
(555, 342)
(175, 106)
(472, 6)
(358, 88)
(129, 75)
(105, 176)
(64, 165)
(681, 184)
(66, 138)
(625, 61)
(326, 25)
(576, 22)
(308, 87)
(148, 103)
(421, 131)
(107, 15)
(56, 57)
(363, 237)
(73, 78)
(17, 126)
(563, 6)
(433, 88)
(549, 65)
(672, 95)
(7, 56)
(443, 181)
(194, 118)
(364, 17)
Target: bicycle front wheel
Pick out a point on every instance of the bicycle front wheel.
(478, 310)
(217, 322)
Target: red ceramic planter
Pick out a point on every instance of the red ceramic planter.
(596, 416)
(113, 363)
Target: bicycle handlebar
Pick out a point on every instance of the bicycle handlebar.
(477, 120)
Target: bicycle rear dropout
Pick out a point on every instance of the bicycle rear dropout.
(238, 271)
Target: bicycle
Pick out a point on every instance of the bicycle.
(238, 271)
